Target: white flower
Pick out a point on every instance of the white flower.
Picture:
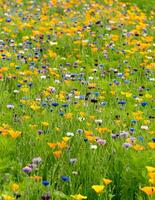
(143, 127)
(74, 172)
(16, 91)
(69, 134)
(57, 81)
(53, 43)
(93, 146)
(98, 121)
(43, 77)
(81, 119)
(36, 160)
(90, 78)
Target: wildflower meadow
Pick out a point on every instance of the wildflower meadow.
(77, 99)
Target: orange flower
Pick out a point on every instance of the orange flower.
(102, 130)
(52, 145)
(106, 181)
(151, 145)
(62, 144)
(151, 175)
(15, 134)
(36, 178)
(57, 154)
(148, 190)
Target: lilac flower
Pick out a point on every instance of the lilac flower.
(40, 132)
(27, 169)
(114, 136)
(124, 134)
(132, 139)
(46, 197)
(10, 106)
(79, 131)
(127, 145)
(8, 20)
(101, 141)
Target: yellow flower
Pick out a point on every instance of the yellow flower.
(151, 145)
(107, 181)
(15, 134)
(82, 114)
(138, 147)
(150, 169)
(35, 107)
(78, 197)
(66, 139)
(128, 94)
(149, 96)
(91, 85)
(15, 187)
(152, 175)
(152, 181)
(148, 190)
(45, 123)
(68, 115)
(24, 89)
(7, 197)
(98, 188)
(52, 54)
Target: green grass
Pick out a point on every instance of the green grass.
(72, 73)
(147, 6)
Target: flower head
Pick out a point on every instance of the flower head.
(78, 197)
(65, 178)
(27, 169)
(45, 183)
(15, 187)
(98, 188)
(148, 190)
(106, 181)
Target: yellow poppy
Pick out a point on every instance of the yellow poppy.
(15, 187)
(78, 197)
(150, 169)
(107, 181)
(151, 145)
(148, 190)
(98, 188)
(138, 147)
